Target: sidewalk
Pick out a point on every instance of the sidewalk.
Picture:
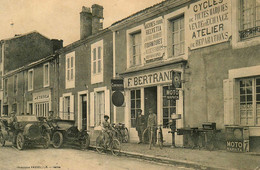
(194, 158)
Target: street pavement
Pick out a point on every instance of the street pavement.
(71, 159)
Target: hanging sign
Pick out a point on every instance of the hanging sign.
(117, 84)
(172, 94)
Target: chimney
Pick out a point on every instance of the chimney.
(85, 22)
(97, 19)
(56, 44)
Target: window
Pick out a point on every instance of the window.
(250, 18)
(97, 62)
(15, 83)
(99, 107)
(67, 108)
(70, 70)
(42, 109)
(135, 105)
(177, 37)
(30, 108)
(249, 101)
(169, 108)
(30, 80)
(5, 86)
(135, 58)
(46, 77)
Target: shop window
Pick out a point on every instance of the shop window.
(177, 37)
(70, 70)
(169, 108)
(250, 18)
(15, 83)
(135, 49)
(42, 109)
(99, 107)
(97, 62)
(249, 101)
(46, 77)
(135, 105)
(30, 80)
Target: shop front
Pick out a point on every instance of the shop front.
(42, 103)
(147, 89)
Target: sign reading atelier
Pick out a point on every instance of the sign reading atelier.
(117, 84)
(153, 40)
(209, 23)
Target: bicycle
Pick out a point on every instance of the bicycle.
(114, 144)
(159, 135)
(121, 132)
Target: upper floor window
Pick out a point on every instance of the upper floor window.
(97, 62)
(250, 18)
(177, 37)
(70, 70)
(46, 77)
(5, 86)
(30, 80)
(15, 84)
(135, 49)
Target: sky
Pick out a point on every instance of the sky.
(59, 19)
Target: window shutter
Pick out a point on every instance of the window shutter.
(92, 107)
(228, 87)
(72, 109)
(107, 102)
(61, 108)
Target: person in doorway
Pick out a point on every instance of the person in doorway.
(151, 125)
(51, 115)
(140, 125)
(12, 120)
(107, 129)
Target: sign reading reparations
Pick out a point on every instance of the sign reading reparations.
(209, 23)
(153, 40)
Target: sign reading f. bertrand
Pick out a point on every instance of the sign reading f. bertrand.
(209, 23)
(149, 79)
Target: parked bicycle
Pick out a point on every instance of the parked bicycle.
(113, 145)
(151, 131)
(121, 132)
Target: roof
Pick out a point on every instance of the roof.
(22, 35)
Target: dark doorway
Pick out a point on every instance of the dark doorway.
(150, 96)
(84, 111)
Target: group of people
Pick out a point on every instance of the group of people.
(151, 125)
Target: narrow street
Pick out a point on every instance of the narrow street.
(70, 159)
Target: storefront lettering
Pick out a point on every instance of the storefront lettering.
(235, 146)
(206, 4)
(149, 79)
(41, 97)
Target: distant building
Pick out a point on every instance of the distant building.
(20, 51)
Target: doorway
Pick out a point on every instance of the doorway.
(150, 96)
(83, 111)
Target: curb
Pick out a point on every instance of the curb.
(163, 160)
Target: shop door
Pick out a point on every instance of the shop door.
(84, 111)
(150, 95)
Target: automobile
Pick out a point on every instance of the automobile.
(65, 131)
(25, 131)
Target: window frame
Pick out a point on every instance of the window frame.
(135, 108)
(97, 76)
(6, 86)
(30, 84)
(46, 84)
(98, 117)
(15, 84)
(69, 68)
(133, 49)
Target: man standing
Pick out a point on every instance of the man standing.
(151, 125)
(107, 129)
(140, 125)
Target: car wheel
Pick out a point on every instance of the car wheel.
(84, 144)
(2, 139)
(20, 141)
(57, 139)
(47, 139)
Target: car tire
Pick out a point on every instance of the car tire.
(20, 141)
(2, 139)
(57, 139)
(47, 139)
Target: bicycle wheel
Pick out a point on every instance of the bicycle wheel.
(116, 147)
(99, 144)
(150, 139)
(160, 140)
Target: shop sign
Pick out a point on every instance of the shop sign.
(149, 79)
(172, 94)
(41, 96)
(153, 40)
(117, 84)
(235, 146)
(209, 22)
